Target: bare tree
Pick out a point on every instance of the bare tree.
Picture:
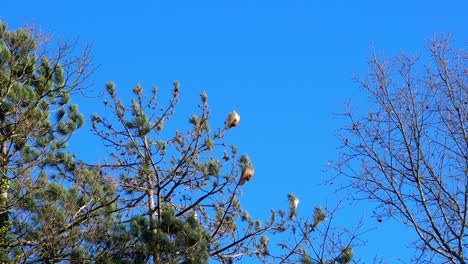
(409, 153)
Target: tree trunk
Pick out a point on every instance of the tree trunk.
(4, 211)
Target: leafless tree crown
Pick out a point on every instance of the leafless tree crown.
(409, 153)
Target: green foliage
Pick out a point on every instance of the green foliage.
(173, 240)
(293, 203)
(319, 217)
(110, 87)
(41, 199)
(245, 162)
(306, 259)
(346, 255)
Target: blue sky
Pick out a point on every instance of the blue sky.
(285, 66)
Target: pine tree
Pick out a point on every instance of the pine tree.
(181, 191)
(45, 194)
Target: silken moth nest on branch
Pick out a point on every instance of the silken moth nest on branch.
(247, 172)
(247, 175)
(232, 120)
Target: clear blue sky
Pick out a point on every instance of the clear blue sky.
(285, 66)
